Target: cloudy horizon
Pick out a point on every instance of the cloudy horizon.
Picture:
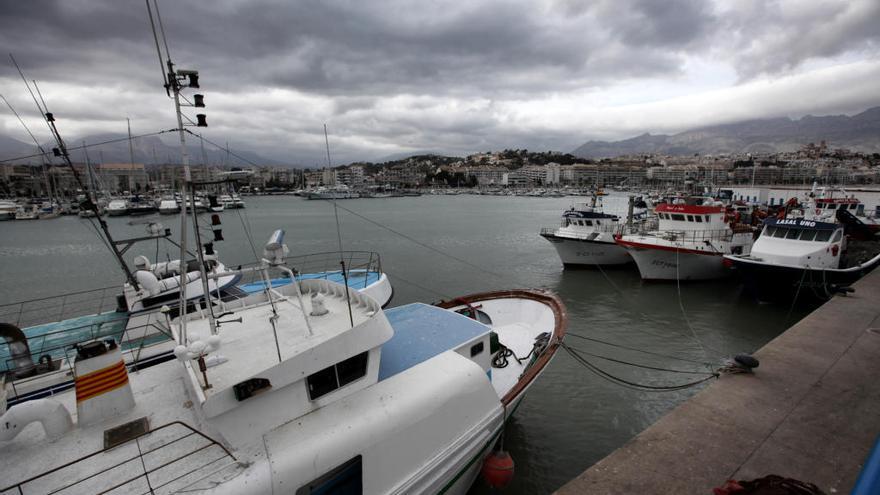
(394, 77)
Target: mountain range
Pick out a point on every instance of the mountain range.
(860, 132)
(147, 150)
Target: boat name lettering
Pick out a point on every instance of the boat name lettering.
(803, 223)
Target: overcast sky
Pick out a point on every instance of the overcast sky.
(390, 77)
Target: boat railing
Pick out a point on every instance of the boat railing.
(723, 235)
(170, 458)
(326, 265)
(55, 308)
(53, 352)
(618, 228)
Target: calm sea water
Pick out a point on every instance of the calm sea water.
(571, 418)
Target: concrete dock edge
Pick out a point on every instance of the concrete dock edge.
(810, 412)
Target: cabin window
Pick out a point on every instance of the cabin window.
(792, 233)
(823, 235)
(690, 218)
(476, 349)
(769, 231)
(589, 223)
(678, 217)
(343, 480)
(807, 235)
(339, 375)
(842, 207)
(780, 232)
(707, 218)
(852, 206)
(837, 236)
(698, 218)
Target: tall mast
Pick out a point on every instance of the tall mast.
(174, 79)
(61, 151)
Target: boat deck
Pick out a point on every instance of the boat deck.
(357, 279)
(421, 332)
(56, 338)
(26, 456)
(255, 335)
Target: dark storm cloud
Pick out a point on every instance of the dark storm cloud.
(773, 37)
(339, 47)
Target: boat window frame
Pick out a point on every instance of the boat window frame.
(690, 218)
(838, 235)
(823, 235)
(769, 230)
(325, 373)
(698, 218)
(808, 235)
(793, 234)
(678, 217)
(477, 348)
(323, 482)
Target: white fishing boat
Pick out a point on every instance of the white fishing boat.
(811, 254)
(344, 395)
(27, 212)
(7, 210)
(169, 206)
(117, 207)
(196, 205)
(586, 236)
(336, 192)
(689, 243)
(48, 210)
(306, 388)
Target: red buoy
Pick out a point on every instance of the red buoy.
(498, 469)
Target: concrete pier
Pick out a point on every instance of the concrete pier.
(811, 412)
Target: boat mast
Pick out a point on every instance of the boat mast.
(174, 79)
(61, 151)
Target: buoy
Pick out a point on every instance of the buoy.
(498, 469)
(746, 361)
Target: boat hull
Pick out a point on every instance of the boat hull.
(669, 263)
(785, 284)
(583, 252)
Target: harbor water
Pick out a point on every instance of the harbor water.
(435, 247)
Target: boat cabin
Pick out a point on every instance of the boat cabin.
(683, 217)
(800, 242)
(586, 218)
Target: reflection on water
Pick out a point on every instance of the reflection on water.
(571, 418)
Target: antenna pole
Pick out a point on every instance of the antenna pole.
(62, 151)
(339, 234)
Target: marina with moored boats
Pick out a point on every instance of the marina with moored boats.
(205, 333)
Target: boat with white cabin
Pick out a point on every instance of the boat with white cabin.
(7, 210)
(169, 206)
(810, 254)
(586, 236)
(117, 207)
(344, 396)
(689, 243)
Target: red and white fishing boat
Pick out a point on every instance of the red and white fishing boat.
(689, 243)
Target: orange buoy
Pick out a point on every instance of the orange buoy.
(498, 469)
